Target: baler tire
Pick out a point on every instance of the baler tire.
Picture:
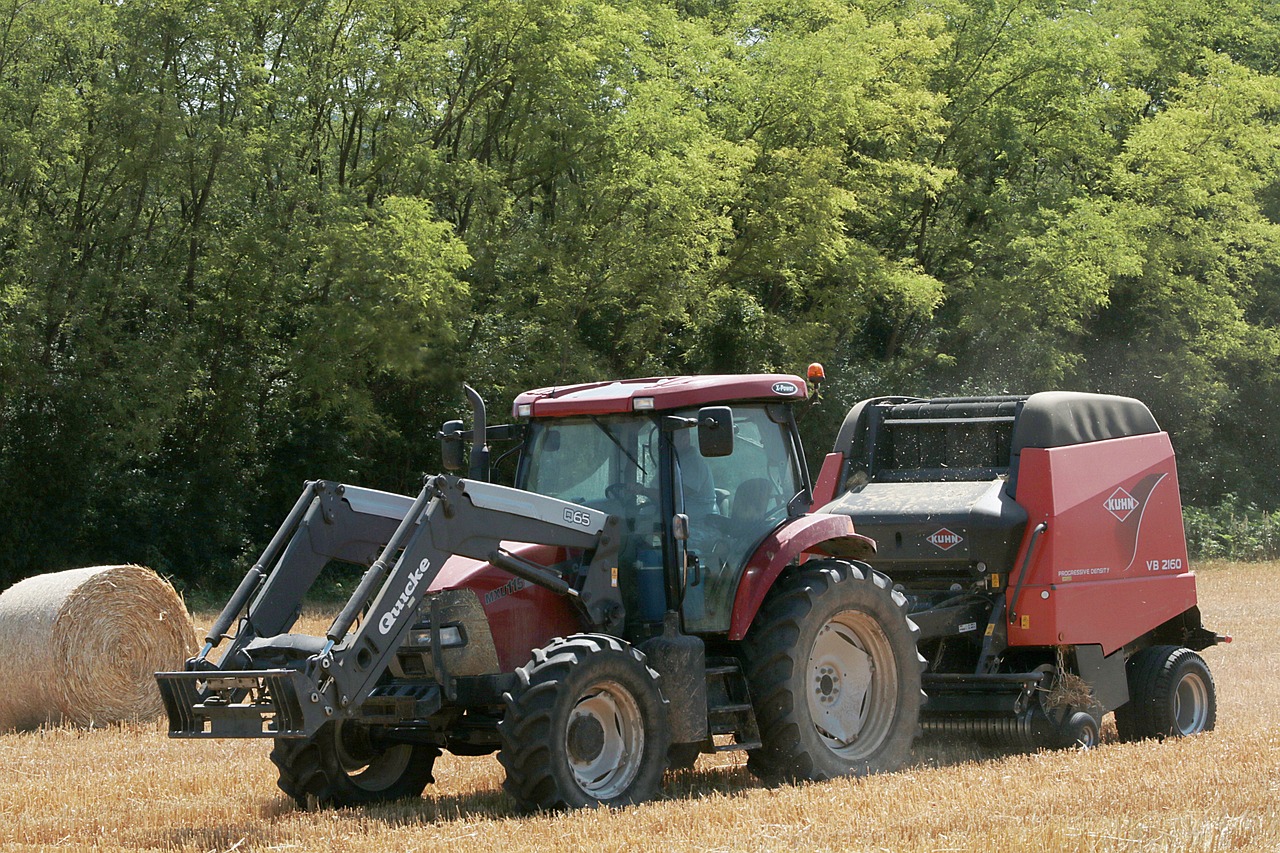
(1171, 694)
(328, 772)
(802, 674)
(1082, 731)
(586, 726)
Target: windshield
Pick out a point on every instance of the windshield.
(593, 461)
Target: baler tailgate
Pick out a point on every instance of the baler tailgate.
(252, 703)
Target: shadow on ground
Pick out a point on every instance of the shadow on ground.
(705, 779)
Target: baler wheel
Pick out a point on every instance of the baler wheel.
(586, 726)
(1082, 731)
(834, 673)
(1171, 694)
(341, 767)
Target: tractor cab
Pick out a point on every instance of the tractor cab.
(698, 469)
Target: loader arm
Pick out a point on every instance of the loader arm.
(326, 678)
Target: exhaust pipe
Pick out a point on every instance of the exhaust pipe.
(479, 435)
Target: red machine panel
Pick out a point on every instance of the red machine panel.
(1111, 563)
(523, 616)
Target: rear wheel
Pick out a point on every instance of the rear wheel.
(834, 675)
(344, 765)
(585, 727)
(1171, 694)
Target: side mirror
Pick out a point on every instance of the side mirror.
(715, 431)
(451, 452)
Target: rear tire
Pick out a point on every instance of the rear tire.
(834, 675)
(587, 726)
(1171, 694)
(340, 766)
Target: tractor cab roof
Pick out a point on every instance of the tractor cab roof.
(661, 393)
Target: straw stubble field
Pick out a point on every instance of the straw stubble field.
(130, 788)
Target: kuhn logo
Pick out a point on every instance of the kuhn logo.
(1121, 504)
(785, 388)
(388, 620)
(944, 539)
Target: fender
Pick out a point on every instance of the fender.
(824, 491)
(828, 535)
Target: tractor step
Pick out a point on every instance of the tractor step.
(729, 708)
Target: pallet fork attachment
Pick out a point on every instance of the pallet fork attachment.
(303, 682)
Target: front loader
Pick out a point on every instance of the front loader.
(665, 580)
(339, 695)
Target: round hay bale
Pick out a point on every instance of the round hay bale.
(81, 646)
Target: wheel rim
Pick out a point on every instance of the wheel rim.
(604, 737)
(369, 769)
(852, 685)
(1085, 732)
(1190, 705)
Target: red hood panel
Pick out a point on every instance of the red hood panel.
(522, 616)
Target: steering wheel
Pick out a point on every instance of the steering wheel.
(629, 494)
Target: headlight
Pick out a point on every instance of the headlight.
(450, 637)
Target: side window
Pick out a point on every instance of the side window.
(751, 489)
(647, 476)
(757, 480)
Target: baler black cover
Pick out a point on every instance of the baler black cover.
(917, 468)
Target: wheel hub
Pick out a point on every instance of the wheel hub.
(585, 739)
(604, 740)
(1190, 705)
(849, 698)
(840, 672)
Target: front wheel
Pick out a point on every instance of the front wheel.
(1171, 694)
(586, 726)
(834, 675)
(345, 765)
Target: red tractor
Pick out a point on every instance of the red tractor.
(664, 579)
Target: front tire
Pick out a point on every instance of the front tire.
(834, 675)
(682, 756)
(1171, 694)
(343, 766)
(587, 726)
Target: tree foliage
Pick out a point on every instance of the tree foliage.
(249, 243)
